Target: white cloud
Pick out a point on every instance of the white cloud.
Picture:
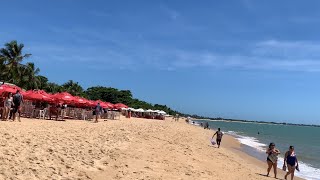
(117, 51)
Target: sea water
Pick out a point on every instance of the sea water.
(257, 136)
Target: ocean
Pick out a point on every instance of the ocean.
(255, 138)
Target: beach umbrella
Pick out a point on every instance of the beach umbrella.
(140, 110)
(64, 97)
(36, 96)
(149, 111)
(119, 106)
(80, 101)
(110, 105)
(9, 89)
(91, 103)
(103, 104)
(162, 112)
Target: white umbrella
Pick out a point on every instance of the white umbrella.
(149, 110)
(140, 110)
(162, 112)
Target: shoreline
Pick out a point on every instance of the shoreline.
(120, 149)
(237, 147)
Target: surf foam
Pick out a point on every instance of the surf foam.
(306, 171)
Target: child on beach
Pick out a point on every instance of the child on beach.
(272, 158)
(219, 137)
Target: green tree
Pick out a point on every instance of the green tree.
(43, 82)
(73, 88)
(11, 57)
(29, 76)
(53, 88)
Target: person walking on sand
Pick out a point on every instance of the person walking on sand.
(219, 137)
(272, 158)
(292, 162)
(17, 100)
(98, 111)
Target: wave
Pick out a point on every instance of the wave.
(306, 171)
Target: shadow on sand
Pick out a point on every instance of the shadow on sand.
(266, 175)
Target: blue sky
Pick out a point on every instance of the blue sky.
(244, 59)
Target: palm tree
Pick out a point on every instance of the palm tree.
(29, 76)
(53, 88)
(11, 58)
(43, 82)
(73, 88)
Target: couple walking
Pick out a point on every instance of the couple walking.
(290, 161)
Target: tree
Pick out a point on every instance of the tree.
(73, 88)
(53, 88)
(13, 70)
(11, 57)
(29, 76)
(43, 82)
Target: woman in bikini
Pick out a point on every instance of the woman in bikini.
(272, 158)
(292, 162)
(8, 103)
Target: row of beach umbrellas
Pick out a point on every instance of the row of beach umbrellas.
(63, 98)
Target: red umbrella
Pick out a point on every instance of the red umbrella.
(102, 104)
(119, 106)
(79, 101)
(110, 105)
(9, 89)
(36, 96)
(64, 97)
(91, 103)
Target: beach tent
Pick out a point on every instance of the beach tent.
(149, 111)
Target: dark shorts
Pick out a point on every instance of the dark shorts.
(218, 141)
(16, 108)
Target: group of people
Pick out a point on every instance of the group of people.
(290, 161)
(12, 106)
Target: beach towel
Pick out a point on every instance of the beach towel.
(212, 142)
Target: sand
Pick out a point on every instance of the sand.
(119, 149)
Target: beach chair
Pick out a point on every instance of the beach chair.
(43, 113)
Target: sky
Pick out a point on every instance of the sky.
(242, 59)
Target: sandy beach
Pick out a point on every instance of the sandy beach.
(120, 149)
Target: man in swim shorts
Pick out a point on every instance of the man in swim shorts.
(17, 100)
(219, 137)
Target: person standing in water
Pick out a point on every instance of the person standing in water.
(272, 158)
(219, 137)
(292, 162)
